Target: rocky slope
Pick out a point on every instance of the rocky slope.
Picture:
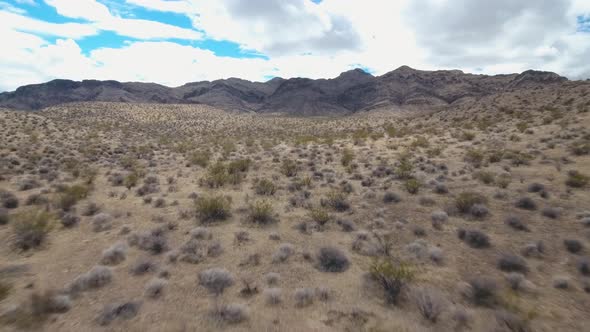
(350, 92)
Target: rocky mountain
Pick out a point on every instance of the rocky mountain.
(350, 92)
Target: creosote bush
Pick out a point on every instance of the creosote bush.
(213, 208)
(261, 212)
(31, 228)
(577, 180)
(265, 187)
(391, 278)
(466, 200)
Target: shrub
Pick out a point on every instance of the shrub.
(515, 280)
(391, 279)
(391, 197)
(154, 241)
(285, 251)
(212, 209)
(577, 180)
(273, 295)
(466, 200)
(581, 147)
(272, 278)
(439, 216)
(8, 200)
(36, 199)
(516, 223)
(330, 259)
(512, 263)
(5, 289)
(526, 203)
(336, 201)
(441, 188)
(474, 157)
(115, 254)
(583, 265)
(229, 313)
(573, 246)
(289, 168)
(503, 180)
(3, 216)
(101, 222)
(479, 211)
(265, 187)
(99, 276)
(217, 176)
(70, 195)
(31, 228)
(319, 215)
(125, 311)
(199, 158)
(551, 212)
(561, 282)
(261, 213)
(430, 303)
(412, 186)
(303, 296)
(405, 167)
(512, 321)
(239, 166)
(155, 288)
(482, 291)
(485, 177)
(216, 280)
(535, 187)
(347, 157)
(474, 238)
(90, 209)
(143, 266)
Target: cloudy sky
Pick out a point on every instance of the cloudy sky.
(177, 41)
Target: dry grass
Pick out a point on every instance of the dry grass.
(377, 221)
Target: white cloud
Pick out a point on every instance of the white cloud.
(100, 17)
(300, 38)
(15, 22)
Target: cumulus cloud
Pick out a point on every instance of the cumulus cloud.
(299, 38)
(100, 17)
(499, 36)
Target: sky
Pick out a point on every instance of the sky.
(173, 42)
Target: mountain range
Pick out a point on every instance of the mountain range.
(350, 92)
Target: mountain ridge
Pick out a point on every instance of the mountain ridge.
(352, 91)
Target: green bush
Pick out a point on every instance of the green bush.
(212, 209)
(405, 167)
(70, 195)
(319, 215)
(216, 176)
(581, 148)
(577, 180)
(199, 158)
(347, 157)
(466, 200)
(336, 201)
(392, 279)
(239, 166)
(261, 213)
(265, 187)
(289, 168)
(31, 228)
(412, 186)
(485, 177)
(474, 157)
(5, 289)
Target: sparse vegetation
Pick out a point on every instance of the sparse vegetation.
(213, 208)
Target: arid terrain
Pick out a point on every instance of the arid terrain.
(470, 215)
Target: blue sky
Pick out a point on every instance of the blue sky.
(177, 41)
